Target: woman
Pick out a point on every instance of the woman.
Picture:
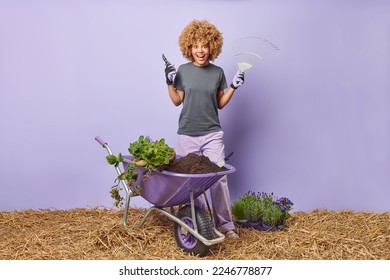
(201, 88)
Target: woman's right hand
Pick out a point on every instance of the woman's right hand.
(170, 71)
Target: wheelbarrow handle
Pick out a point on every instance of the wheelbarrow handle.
(100, 140)
(228, 156)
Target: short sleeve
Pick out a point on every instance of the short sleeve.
(223, 83)
(178, 81)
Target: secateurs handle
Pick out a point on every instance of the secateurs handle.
(100, 140)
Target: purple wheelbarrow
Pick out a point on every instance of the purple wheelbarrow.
(194, 228)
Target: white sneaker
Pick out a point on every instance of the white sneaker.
(231, 234)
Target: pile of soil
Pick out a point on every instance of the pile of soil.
(193, 164)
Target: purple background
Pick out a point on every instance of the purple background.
(312, 121)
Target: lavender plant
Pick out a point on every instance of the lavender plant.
(261, 206)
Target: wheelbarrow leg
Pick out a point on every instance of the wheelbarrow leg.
(193, 210)
(127, 203)
(146, 214)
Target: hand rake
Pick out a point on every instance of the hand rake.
(250, 50)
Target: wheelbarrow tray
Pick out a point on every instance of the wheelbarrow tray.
(166, 189)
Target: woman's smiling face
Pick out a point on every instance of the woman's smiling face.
(200, 53)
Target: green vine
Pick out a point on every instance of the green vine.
(130, 176)
(154, 156)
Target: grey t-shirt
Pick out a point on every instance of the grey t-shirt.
(199, 115)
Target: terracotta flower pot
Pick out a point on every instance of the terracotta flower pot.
(140, 163)
(173, 157)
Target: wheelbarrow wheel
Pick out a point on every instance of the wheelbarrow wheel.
(185, 239)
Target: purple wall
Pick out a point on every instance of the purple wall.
(312, 121)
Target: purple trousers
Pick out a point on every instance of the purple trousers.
(212, 146)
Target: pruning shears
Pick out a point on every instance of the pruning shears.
(165, 60)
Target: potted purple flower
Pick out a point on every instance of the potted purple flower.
(261, 210)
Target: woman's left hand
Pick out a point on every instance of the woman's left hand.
(238, 79)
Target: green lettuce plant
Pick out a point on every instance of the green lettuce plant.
(154, 154)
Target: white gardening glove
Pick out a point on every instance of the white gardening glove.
(238, 79)
(170, 71)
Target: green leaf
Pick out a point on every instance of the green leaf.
(111, 159)
(119, 160)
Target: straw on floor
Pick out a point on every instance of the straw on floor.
(98, 234)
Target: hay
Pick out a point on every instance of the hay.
(98, 234)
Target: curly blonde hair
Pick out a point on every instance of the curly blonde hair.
(203, 31)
